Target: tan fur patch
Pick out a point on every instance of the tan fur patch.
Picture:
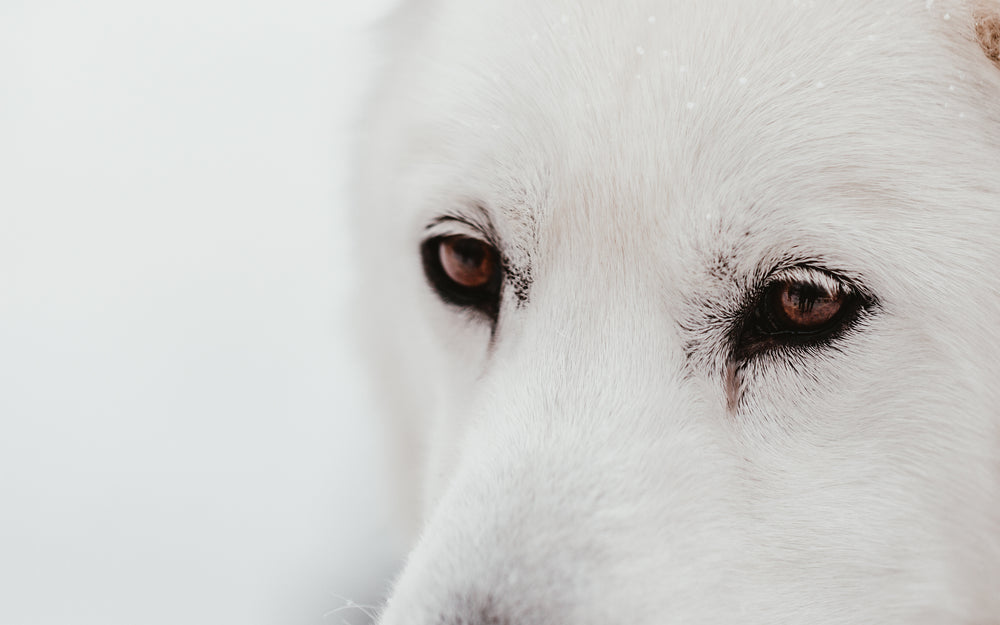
(988, 34)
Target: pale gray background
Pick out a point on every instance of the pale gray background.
(184, 435)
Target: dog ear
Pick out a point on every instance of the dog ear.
(987, 30)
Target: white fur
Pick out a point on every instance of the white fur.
(649, 159)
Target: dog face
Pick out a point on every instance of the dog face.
(688, 312)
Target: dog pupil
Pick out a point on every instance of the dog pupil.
(807, 305)
(803, 297)
(470, 253)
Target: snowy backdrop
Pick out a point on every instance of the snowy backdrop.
(185, 436)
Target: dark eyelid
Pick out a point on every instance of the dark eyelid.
(443, 219)
(484, 298)
(741, 336)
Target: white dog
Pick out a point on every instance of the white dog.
(689, 312)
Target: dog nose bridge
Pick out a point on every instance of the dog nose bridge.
(582, 418)
(584, 349)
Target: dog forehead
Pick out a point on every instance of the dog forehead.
(615, 96)
(693, 123)
(647, 66)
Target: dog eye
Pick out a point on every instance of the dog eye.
(801, 307)
(464, 271)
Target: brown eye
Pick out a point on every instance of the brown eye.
(801, 306)
(469, 262)
(804, 307)
(465, 271)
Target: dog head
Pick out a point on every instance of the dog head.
(688, 312)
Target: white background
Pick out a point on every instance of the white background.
(184, 437)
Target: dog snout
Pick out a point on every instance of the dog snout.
(532, 532)
(474, 609)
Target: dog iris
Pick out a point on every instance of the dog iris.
(803, 306)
